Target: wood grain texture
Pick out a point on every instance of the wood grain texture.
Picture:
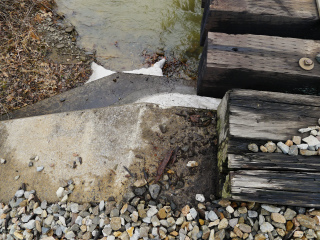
(276, 187)
(257, 62)
(285, 18)
(250, 116)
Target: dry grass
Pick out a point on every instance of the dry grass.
(26, 74)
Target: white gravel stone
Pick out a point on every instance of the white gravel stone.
(70, 235)
(74, 207)
(266, 227)
(303, 146)
(200, 198)
(193, 213)
(311, 140)
(59, 192)
(101, 205)
(38, 211)
(212, 216)
(30, 225)
(152, 211)
(39, 169)
(230, 209)
(19, 193)
(252, 214)
(64, 199)
(270, 208)
(284, 148)
(3, 161)
(304, 130)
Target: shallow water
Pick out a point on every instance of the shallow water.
(121, 30)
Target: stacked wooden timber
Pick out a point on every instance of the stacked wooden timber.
(257, 62)
(285, 18)
(249, 116)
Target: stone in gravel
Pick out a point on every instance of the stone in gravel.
(308, 152)
(70, 235)
(193, 213)
(38, 210)
(74, 207)
(44, 204)
(192, 164)
(296, 140)
(101, 205)
(224, 202)
(59, 192)
(19, 193)
(245, 228)
(185, 210)
(263, 149)
(298, 234)
(144, 232)
(230, 209)
(314, 132)
(289, 143)
(212, 216)
(39, 169)
(253, 147)
(259, 237)
(266, 227)
(179, 221)
(311, 140)
(303, 146)
(223, 224)
(47, 222)
(155, 221)
(114, 213)
(151, 212)
(233, 222)
(128, 196)
(140, 191)
(293, 150)
(16, 177)
(304, 130)
(271, 146)
(270, 208)
(3, 161)
(252, 214)
(140, 183)
(69, 29)
(284, 148)
(106, 231)
(306, 221)
(277, 217)
(162, 214)
(30, 164)
(115, 223)
(30, 225)
(289, 214)
(154, 190)
(200, 198)
(64, 199)
(242, 210)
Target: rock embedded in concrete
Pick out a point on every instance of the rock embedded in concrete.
(40, 168)
(200, 198)
(154, 190)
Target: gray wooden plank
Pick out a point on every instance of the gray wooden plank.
(257, 62)
(286, 18)
(273, 161)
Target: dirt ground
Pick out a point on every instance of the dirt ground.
(39, 57)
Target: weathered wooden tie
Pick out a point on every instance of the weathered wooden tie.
(249, 116)
(257, 62)
(285, 18)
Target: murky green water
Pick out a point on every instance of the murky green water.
(120, 30)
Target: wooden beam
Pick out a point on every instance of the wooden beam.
(257, 62)
(285, 18)
(250, 116)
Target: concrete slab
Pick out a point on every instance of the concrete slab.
(107, 140)
(118, 88)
